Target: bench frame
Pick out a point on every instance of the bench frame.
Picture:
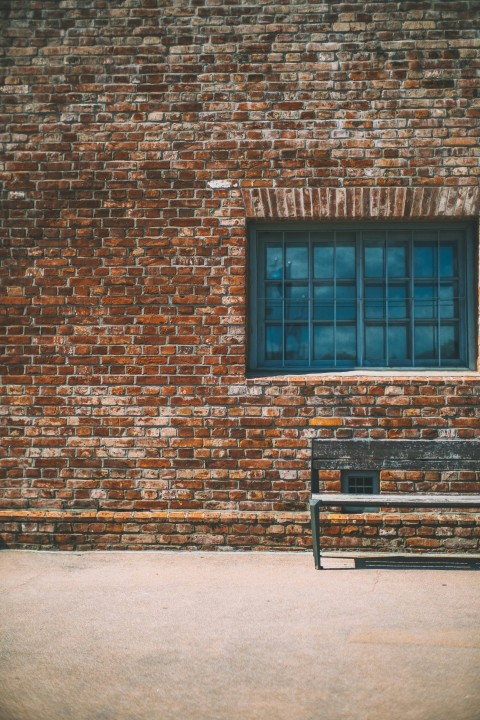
(420, 455)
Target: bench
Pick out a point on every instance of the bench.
(376, 455)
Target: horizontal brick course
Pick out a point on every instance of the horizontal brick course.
(208, 530)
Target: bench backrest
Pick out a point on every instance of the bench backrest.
(421, 455)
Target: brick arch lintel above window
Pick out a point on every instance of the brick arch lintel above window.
(366, 203)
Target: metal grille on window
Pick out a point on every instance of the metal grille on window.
(360, 483)
(344, 298)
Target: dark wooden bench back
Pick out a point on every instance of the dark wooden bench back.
(421, 455)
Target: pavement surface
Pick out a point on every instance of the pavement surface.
(224, 636)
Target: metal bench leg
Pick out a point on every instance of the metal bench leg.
(315, 516)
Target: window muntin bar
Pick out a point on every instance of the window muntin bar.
(360, 483)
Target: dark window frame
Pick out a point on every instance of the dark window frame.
(257, 292)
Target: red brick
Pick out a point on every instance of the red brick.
(124, 210)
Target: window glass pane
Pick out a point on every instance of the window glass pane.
(424, 301)
(273, 342)
(448, 304)
(323, 342)
(374, 344)
(296, 342)
(374, 261)
(274, 264)
(404, 291)
(397, 261)
(296, 302)
(346, 305)
(397, 301)
(346, 342)
(447, 261)
(345, 261)
(397, 343)
(323, 261)
(323, 302)
(296, 262)
(273, 302)
(425, 342)
(424, 260)
(374, 302)
(449, 342)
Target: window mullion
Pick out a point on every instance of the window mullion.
(386, 305)
(438, 307)
(464, 283)
(335, 300)
(360, 300)
(411, 286)
(284, 329)
(310, 300)
(466, 275)
(258, 282)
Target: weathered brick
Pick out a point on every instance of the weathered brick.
(128, 180)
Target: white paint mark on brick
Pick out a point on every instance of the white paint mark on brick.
(221, 184)
(14, 89)
(472, 201)
(442, 202)
(16, 195)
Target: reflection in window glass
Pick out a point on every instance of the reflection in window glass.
(296, 342)
(397, 343)
(323, 348)
(324, 308)
(374, 302)
(273, 342)
(274, 269)
(424, 301)
(345, 261)
(448, 304)
(346, 342)
(296, 302)
(346, 305)
(273, 302)
(447, 261)
(397, 301)
(374, 343)
(449, 341)
(424, 260)
(296, 262)
(374, 261)
(397, 261)
(323, 261)
(424, 341)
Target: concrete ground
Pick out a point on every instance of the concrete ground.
(224, 636)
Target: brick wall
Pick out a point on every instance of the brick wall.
(138, 138)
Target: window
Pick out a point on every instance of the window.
(366, 296)
(360, 483)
